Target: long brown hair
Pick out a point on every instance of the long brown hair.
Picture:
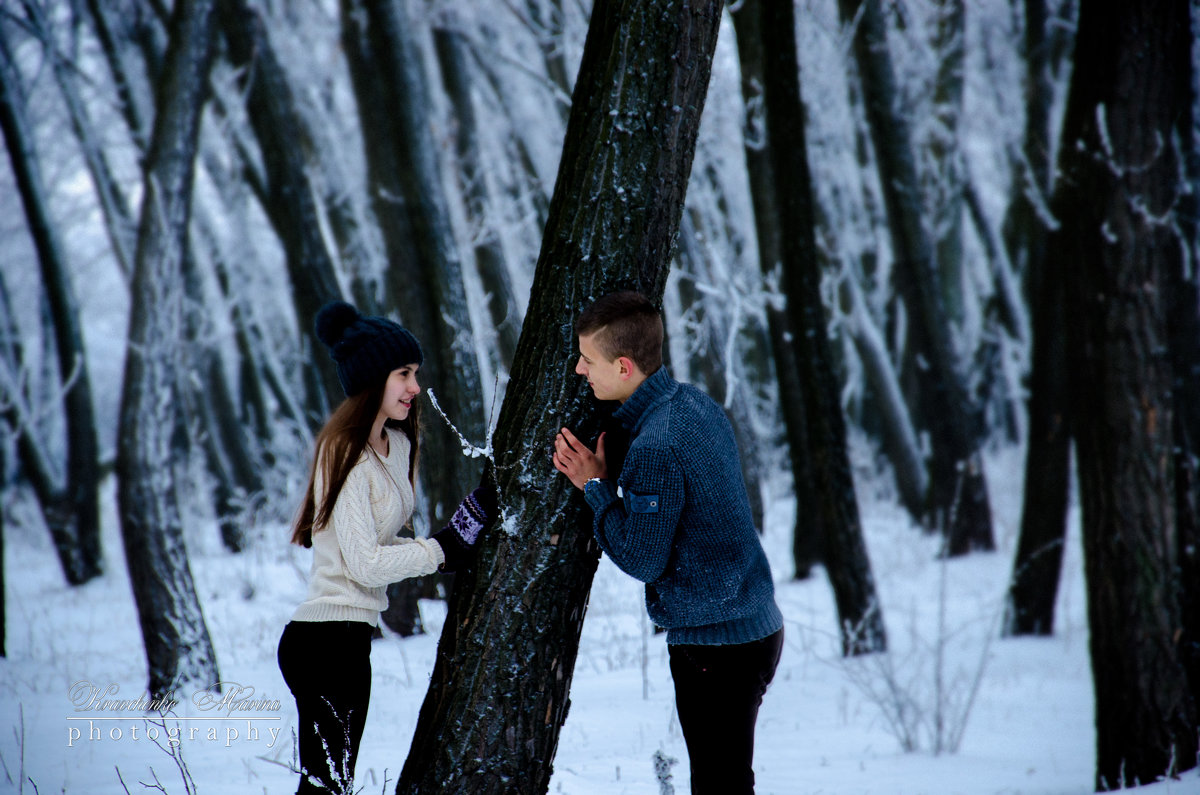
(339, 445)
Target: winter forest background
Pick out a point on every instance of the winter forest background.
(921, 250)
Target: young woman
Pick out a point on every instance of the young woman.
(360, 494)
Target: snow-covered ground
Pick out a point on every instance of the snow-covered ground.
(1028, 726)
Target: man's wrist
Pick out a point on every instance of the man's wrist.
(588, 484)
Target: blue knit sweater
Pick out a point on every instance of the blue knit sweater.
(682, 522)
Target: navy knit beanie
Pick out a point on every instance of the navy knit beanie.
(365, 348)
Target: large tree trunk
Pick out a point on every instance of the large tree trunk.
(843, 550)
(178, 648)
(424, 279)
(1184, 325)
(807, 530)
(958, 489)
(1122, 178)
(498, 696)
(72, 507)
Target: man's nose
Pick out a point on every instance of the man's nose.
(579, 367)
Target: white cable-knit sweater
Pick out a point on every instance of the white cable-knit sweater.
(358, 554)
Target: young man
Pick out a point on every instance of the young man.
(678, 519)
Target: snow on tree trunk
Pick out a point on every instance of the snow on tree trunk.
(499, 691)
(71, 508)
(958, 488)
(178, 648)
(1122, 179)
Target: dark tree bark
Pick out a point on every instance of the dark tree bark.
(424, 279)
(291, 196)
(843, 550)
(1184, 329)
(958, 488)
(1033, 587)
(1122, 178)
(808, 531)
(1037, 567)
(948, 173)
(178, 648)
(71, 506)
(454, 58)
(498, 696)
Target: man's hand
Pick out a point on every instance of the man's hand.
(577, 462)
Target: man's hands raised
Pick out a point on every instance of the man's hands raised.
(577, 462)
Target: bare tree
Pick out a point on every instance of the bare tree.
(1038, 562)
(291, 200)
(790, 204)
(1122, 176)
(424, 277)
(499, 691)
(70, 503)
(458, 77)
(958, 500)
(178, 648)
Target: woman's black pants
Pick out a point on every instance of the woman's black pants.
(327, 666)
(718, 690)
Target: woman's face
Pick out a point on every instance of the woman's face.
(399, 391)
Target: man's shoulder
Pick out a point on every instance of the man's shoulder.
(688, 410)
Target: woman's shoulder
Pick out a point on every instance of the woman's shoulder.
(398, 440)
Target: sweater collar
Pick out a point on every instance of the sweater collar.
(656, 389)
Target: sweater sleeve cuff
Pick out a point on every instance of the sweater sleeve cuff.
(455, 551)
(600, 495)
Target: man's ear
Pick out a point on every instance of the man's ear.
(628, 368)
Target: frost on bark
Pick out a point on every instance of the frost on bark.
(843, 550)
(178, 648)
(1121, 183)
(499, 692)
(958, 499)
(424, 277)
(70, 502)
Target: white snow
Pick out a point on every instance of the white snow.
(1029, 729)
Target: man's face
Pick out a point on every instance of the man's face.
(609, 380)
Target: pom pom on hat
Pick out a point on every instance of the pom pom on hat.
(332, 321)
(365, 348)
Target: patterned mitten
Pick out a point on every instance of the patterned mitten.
(462, 531)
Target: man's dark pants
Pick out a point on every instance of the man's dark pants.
(718, 690)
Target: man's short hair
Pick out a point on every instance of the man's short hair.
(625, 324)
